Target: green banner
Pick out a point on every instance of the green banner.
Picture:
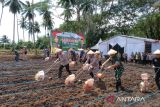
(65, 43)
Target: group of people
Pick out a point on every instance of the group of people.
(21, 55)
(142, 58)
(94, 60)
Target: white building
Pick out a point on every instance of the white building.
(129, 44)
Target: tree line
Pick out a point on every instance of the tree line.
(94, 18)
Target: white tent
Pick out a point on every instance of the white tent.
(97, 45)
(129, 43)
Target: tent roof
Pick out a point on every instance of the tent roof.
(96, 46)
(134, 37)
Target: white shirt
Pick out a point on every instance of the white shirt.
(63, 59)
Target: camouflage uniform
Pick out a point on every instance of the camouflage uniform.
(118, 71)
(156, 63)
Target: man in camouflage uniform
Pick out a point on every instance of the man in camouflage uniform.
(117, 66)
(156, 66)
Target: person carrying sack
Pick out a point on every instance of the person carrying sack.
(156, 66)
(118, 68)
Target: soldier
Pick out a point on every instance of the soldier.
(117, 66)
(156, 66)
(64, 62)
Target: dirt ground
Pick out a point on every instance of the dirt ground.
(19, 89)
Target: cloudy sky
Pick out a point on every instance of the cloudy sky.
(6, 27)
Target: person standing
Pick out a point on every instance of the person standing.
(125, 57)
(81, 55)
(25, 52)
(64, 62)
(150, 58)
(118, 68)
(132, 57)
(136, 57)
(156, 66)
(144, 55)
(16, 55)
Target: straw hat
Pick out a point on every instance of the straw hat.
(80, 49)
(157, 52)
(90, 52)
(97, 52)
(71, 49)
(112, 52)
(58, 50)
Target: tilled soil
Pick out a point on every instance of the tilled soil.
(18, 87)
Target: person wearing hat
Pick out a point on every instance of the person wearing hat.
(98, 56)
(90, 60)
(117, 66)
(95, 66)
(72, 54)
(156, 66)
(81, 54)
(64, 62)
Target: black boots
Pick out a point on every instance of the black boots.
(92, 75)
(119, 86)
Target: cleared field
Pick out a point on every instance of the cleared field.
(18, 87)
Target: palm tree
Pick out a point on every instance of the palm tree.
(47, 19)
(30, 29)
(4, 40)
(2, 3)
(14, 6)
(66, 3)
(28, 15)
(36, 28)
(46, 16)
(23, 25)
(67, 13)
(17, 28)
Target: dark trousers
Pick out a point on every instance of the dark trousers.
(118, 84)
(125, 60)
(91, 74)
(17, 58)
(144, 62)
(61, 68)
(157, 78)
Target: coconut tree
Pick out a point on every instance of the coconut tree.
(28, 14)
(23, 25)
(4, 40)
(37, 28)
(66, 3)
(46, 18)
(46, 15)
(14, 6)
(17, 28)
(2, 6)
(67, 13)
(44, 10)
